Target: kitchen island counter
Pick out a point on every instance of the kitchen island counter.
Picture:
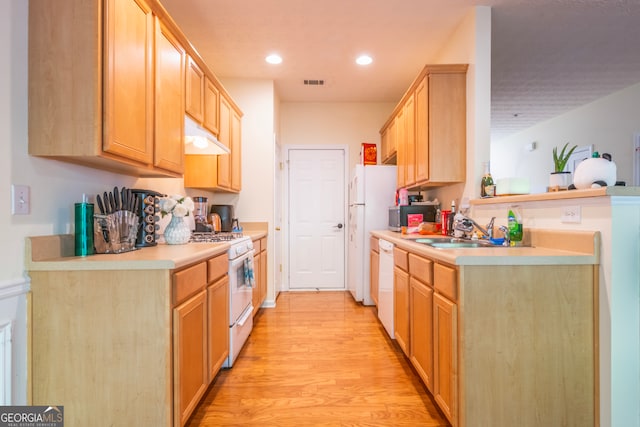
(546, 247)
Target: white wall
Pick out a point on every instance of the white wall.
(323, 123)
(471, 44)
(608, 124)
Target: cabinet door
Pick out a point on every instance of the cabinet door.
(211, 106)
(445, 363)
(236, 151)
(257, 272)
(190, 374)
(224, 161)
(218, 332)
(194, 104)
(422, 330)
(169, 97)
(409, 141)
(391, 140)
(421, 95)
(447, 127)
(401, 308)
(401, 161)
(384, 145)
(128, 80)
(263, 275)
(374, 272)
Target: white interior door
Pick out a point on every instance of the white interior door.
(316, 208)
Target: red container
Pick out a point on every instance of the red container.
(369, 154)
(445, 222)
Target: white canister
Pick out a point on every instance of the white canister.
(594, 169)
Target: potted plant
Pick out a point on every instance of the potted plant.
(559, 178)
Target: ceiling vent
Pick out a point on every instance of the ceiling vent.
(314, 82)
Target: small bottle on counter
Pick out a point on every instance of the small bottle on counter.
(487, 186)
(83, 231)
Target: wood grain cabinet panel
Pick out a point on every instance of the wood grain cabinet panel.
(189, 356)
(169, 98)
(421, 324)
(194, 88)
(211, 106)
(92, 89)
(430, 128)
(218, 324)
(374, 270)
(445, 364)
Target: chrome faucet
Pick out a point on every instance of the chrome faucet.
(466, 225)
(505, 230)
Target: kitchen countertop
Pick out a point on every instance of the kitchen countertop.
(548, 247)
(55, 253)
(615, 191)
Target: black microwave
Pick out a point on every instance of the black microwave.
(399, 215)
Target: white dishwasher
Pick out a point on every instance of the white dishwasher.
(385, 286)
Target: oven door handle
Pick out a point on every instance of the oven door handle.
(245, 316)
(240, 260)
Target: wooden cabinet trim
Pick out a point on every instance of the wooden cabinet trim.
(445, 280)
(188, 282)
(421, 268)
(217, 267)
(400, 258)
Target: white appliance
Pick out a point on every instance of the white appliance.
(241, 283)
(385, 286)
(371, 192)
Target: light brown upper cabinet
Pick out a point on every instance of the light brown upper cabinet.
(169, 96)
(195, 91)
(211, 106)
(219, 173)
(431, 143)
(91, 87)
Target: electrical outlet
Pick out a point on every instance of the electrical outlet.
(571, 214)
(20, 200)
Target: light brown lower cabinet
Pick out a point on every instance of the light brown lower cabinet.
(189, 355)
(374, 270)
(422, 330)
(401, 299)
(126, 347)
(509, 345)
(260, 273)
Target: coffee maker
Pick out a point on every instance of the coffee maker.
(200, 214)
(226, 216)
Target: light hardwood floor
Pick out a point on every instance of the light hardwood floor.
(318, 359)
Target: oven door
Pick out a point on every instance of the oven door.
(241, 281)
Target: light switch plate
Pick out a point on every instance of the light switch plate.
(571, 214)
(20, 200)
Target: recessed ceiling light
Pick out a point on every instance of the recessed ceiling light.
(364, 60)
(274, 58)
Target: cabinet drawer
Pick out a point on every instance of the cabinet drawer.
(189, 281)
(421, 269)
(445, 281)
(217, 267)
(374, 244)
(400, 258)
(256, 245)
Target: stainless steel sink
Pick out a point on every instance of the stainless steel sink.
(455, 243)
(460, 245)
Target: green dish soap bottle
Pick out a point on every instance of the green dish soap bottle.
(514, 224)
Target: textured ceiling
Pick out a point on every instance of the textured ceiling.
(548, 56)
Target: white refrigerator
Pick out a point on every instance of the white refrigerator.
(371, 191)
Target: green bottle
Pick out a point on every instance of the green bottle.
(487, 187)
(514, 225)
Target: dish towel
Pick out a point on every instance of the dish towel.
(249, 279)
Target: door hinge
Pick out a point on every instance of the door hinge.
(280, 268)
(281, 166)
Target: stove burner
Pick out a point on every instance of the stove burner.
(210, 237)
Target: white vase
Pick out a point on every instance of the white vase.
(559, 180)
(177, 232)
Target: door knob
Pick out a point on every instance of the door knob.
(339, 226)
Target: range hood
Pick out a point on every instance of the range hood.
(199, 141)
